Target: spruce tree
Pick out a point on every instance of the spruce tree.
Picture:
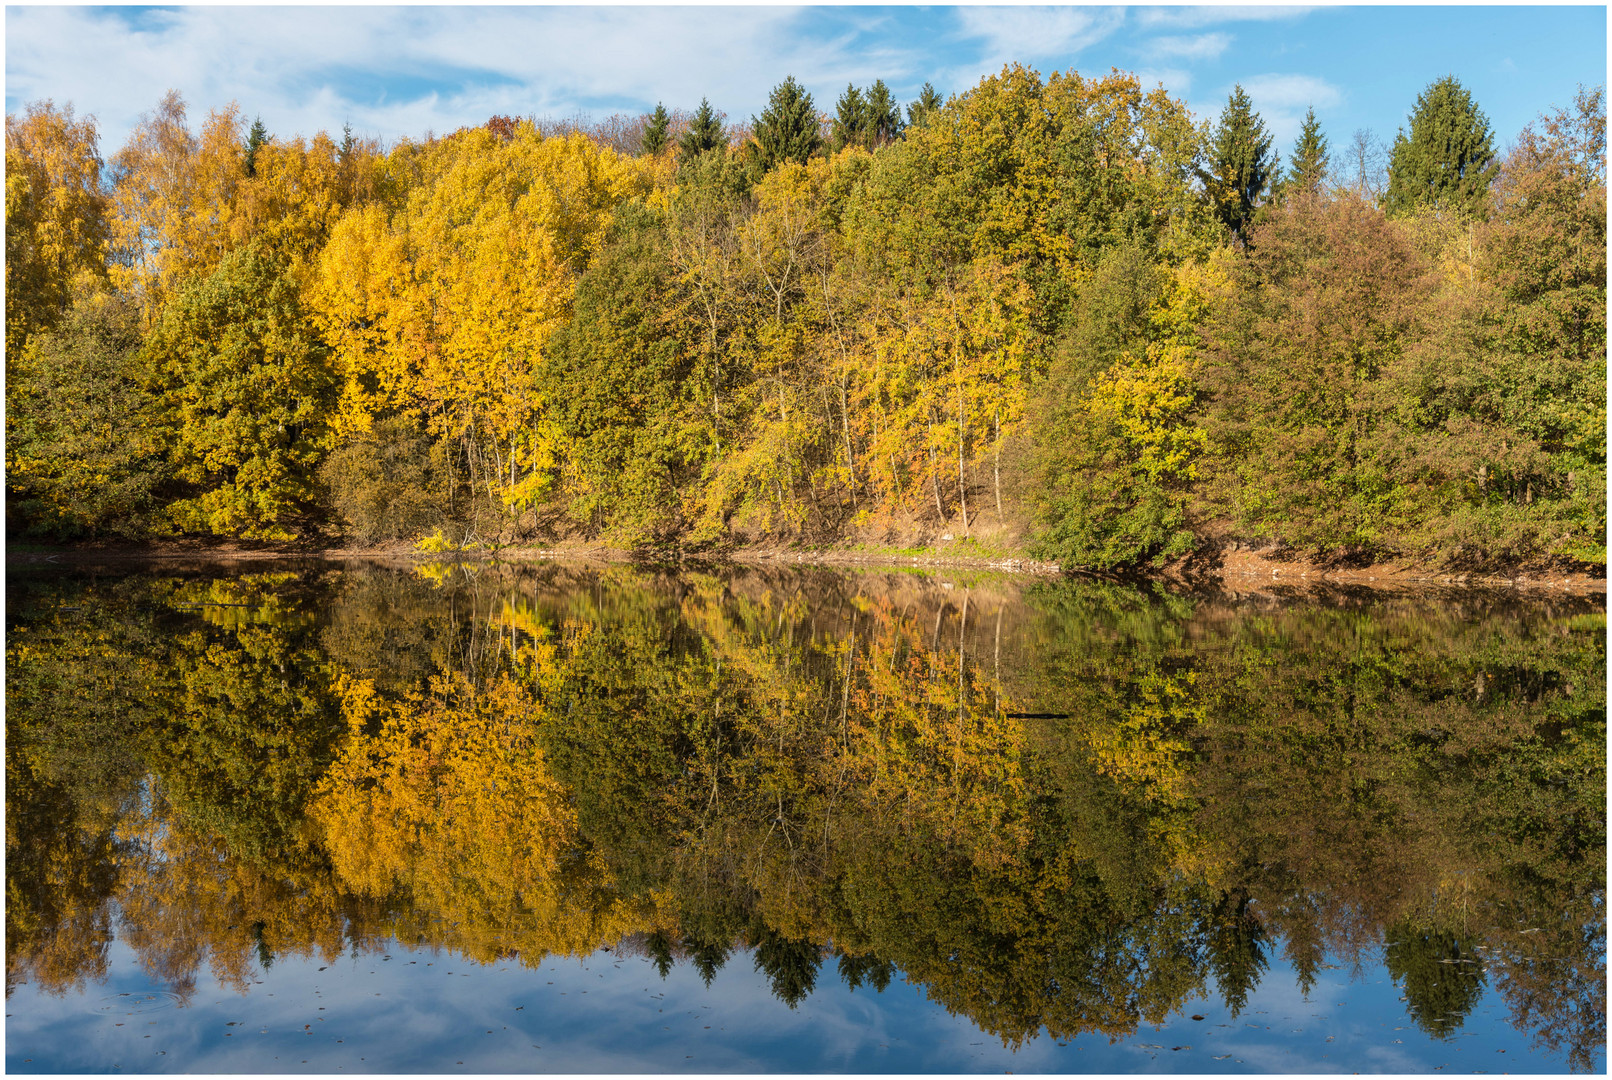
(1448, 160)
(884, 114)
(850, 119)
(1310, 157)
(704, 133)
(1242, 165)
(654, 138)
(928, 102)
(787, 128)
(254, 142)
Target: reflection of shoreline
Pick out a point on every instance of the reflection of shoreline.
(1234, 572)
(522, 765)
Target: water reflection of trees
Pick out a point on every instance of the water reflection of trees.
(815, 767)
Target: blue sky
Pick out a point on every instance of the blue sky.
(400, 71)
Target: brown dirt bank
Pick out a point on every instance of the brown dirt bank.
(1238, 569)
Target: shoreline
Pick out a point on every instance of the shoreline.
(1235, 569)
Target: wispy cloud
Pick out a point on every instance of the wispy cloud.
(1036, 33)
(1177, 81)
(1197, 47)
(1191, 18)
(393, 72)
(1291, 91)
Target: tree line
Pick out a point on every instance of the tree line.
(1059, 311)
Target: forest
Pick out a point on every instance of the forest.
(1056, 314)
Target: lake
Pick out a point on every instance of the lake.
(309, 817)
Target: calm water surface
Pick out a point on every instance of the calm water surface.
(571, 820)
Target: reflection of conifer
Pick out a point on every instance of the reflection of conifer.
(856, 970)
(1236, 951)
(708, 958)
(265, 956)
(790, 965)
(1298, 922)
(659, 946)
(1442, 982)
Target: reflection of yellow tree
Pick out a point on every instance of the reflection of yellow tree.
(186, 902)
(445, 797)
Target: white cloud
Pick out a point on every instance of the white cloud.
(1199, 47)
(396, 72)
(1191, 18)
(1177, 81)
(1036, 33)
(1291, 91)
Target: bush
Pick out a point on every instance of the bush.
(385, 484)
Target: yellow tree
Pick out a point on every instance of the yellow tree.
(440, 308)
(174, 194)
(296, 194)
(56, 217)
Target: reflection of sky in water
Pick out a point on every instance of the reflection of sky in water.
(424, 1012)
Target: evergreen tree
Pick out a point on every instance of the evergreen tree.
(1448, 158)
(254, 141)
(1242, 165)
(787, 128)
(928, 101)
(704, 133)
(884, 114)
(850, 124)
(655, 131)
(1310, 157)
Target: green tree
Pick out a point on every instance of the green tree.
(884, 114)
(1448, 159)
(850, 126)
(1242, 166)
(787, 127)
(655, 131)
(81, 452)
(1310, 158)
(705, 133)
(248, 388)
(255, 138)
(1115, 437)
(927, 104)
(621, 374)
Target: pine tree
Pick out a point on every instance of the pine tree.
(655, 131)
(254, 142)
(850, 124)
(884, 114)
(787, 128)
(1310, 157)
(1448, 159)
(1242, 165)
(928, 101)
(704, 133)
